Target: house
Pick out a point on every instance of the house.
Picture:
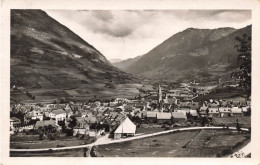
(164, 118)
(236, 103)
(179, 116)
(246, 111)
(120, 117)
(14, 122)
(203, 108)
(119, 109)
(151, 116)
(195, 105)
(113, 115)
(126, 128)
(193, 113)
(214, 112)
(58, 115)
(185, 105)
(69, 113)
(91, 120)
(128, 108)
(33, 115)
(105, 125)
(236, 111)
(224, 111)
(138, 113)
(44, 123)
(81, 127)
(143, 114)
(225, 104)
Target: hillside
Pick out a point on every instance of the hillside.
(207, 54)
(49, 61)
(126, 63)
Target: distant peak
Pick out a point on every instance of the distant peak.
(190, 28)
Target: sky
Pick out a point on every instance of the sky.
(123, 34)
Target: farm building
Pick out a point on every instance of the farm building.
(179, 116)
(236, 111)
(126, 128)
(58, 115)
(193, 113)
(152, 116)
(164, 117)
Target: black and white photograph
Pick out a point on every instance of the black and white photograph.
(143, 83)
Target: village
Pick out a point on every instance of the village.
(157, 110)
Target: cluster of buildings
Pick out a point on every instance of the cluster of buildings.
(120, 116)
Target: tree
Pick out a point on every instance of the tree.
(244, 57)
(73, 122)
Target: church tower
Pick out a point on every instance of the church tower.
(159, 97)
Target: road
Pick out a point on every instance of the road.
(105, 140)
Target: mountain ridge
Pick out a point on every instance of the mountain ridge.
(50, 61)
(189, 52)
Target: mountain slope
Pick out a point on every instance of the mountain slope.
(49, 60)
(126, 63)
(200, 53)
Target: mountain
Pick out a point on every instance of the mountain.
(50, 61)
(126, 63)
(207, 54)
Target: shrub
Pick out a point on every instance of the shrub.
(226, 152)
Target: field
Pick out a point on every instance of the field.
(32, 141)
(226, 93)
(63, 153)
(205, 143)
(245, 122)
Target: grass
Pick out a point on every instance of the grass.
(244, 122)
(207, 143)
(222, 93)
(32, 141)
(197, 143)
(149, 130)
(63, 153)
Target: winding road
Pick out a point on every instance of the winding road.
(105, 140)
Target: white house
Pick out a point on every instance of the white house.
(224, 111)
(33, 115)
(58, 115)
(236, 111)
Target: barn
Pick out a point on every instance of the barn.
(151, 116)
(236, 111)
(164, 118)
(179, 117)
(126, 128)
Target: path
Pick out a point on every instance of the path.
(105, 140)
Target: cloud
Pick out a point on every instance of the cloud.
(129, 33)
(116, 23)
(103, 15)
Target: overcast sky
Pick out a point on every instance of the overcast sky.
(126, 34)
